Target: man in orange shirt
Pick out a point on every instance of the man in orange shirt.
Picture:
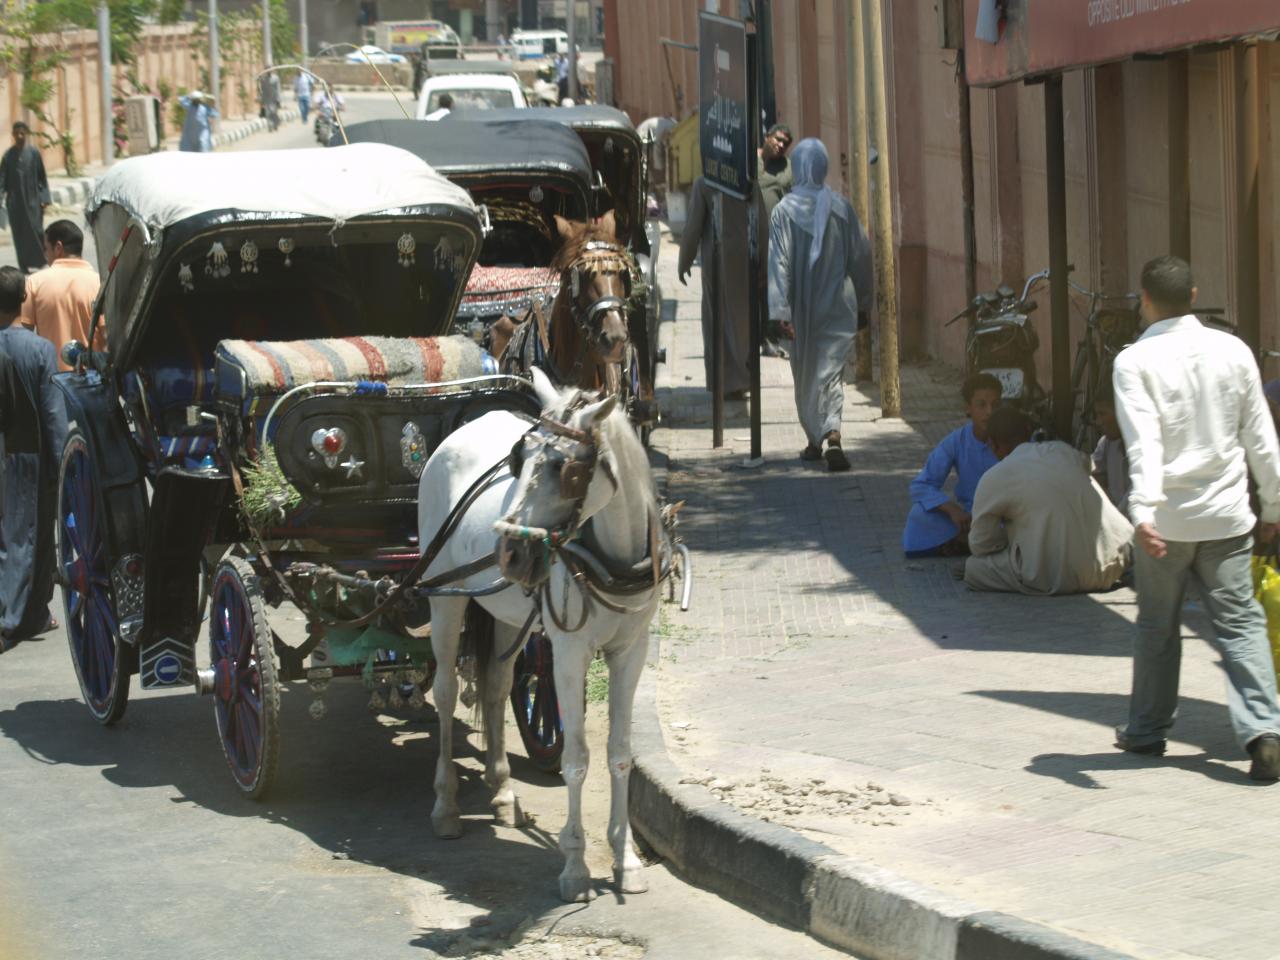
(60, 298)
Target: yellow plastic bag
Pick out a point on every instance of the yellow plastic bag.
(1266, 587)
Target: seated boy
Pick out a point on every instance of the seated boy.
(937, 525)
(1040, 524)
(1110, 463)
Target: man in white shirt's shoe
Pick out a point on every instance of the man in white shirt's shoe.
(1195, 423)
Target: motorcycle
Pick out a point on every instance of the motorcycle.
(325, 124)
(1001, 341)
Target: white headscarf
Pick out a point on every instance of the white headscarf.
(809, 171)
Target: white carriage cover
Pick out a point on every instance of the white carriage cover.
(335, 183)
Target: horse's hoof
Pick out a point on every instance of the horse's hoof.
(447, 827)
(576, 888)
(509, 814)
(630, 881)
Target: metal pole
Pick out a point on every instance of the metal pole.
(215, 61)
(1180, 156)
(718, 199)
(267, 59)
(856, 58)
(756, 248)
(104, 58)
(768, 109)
(1248, 262)
(886, 269)
(1056, 176)
(966, 183)
(304, 31)
(571, 28)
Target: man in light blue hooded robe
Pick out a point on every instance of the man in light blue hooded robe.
(821, 277)
(197, 134)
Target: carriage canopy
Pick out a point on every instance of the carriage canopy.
(309, 241)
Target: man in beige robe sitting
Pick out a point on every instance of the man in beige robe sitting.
(1041, 525)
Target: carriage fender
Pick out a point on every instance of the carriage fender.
(91, 406)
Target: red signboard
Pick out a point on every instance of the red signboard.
(1045, 36)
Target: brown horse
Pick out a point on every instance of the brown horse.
(584, 342)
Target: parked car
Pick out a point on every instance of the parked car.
(371, 54)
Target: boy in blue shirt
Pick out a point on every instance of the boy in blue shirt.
(937, 525)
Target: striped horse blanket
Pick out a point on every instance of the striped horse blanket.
(250, 371)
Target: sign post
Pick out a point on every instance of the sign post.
(727, 128)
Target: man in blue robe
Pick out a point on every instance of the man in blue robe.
(939, 525)
(29, 504)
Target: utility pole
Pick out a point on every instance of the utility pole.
(267, 59)
(104, 59)
(886, 271)
(855, 48)
(215, 59)
(571, 28)
(304, 34)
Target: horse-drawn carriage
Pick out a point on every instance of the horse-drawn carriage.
(278, 374)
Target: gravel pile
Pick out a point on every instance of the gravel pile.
(772, 798)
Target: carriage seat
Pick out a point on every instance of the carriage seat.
(500, 284)
(253, 374)
(169, 388)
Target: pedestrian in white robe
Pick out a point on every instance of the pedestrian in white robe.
(820, 278)
(1041, 524)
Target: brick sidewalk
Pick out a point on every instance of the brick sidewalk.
(818, 656)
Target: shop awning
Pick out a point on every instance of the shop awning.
(1038, 37)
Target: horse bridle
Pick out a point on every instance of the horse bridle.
(599, 256)
(576, 475)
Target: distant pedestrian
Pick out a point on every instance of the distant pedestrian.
(27, 514)
(59, 303)
(773, 177)
(197, 131)
(302, 91)
(818, 249)
(1195, 423)
(562, 76)
(26, 195)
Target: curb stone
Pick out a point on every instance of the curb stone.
(780, 874)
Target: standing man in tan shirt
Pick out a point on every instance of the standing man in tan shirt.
(59, 303)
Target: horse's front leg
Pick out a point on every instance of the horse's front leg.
(496, 689)
(625, 664)
(570, 657)
(446, 630)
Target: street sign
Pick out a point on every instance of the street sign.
(725, 105)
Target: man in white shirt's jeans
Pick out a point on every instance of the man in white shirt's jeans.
(1195, 423)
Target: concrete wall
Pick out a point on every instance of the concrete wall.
(166, 53)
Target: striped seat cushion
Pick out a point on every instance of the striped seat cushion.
(252, 371)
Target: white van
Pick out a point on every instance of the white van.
(537, 44)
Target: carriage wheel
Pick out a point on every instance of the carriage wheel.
(533, 697)
(100, 656)
(246, 696)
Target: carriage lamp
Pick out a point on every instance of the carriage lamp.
(329, 443)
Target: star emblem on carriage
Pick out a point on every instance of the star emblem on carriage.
(354, 468)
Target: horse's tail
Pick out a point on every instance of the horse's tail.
(480, 638)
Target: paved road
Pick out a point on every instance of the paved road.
(132, 842)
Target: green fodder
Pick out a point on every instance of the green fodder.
(597, 681)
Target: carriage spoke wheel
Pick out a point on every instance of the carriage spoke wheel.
(533, 697)
(93, 633)
(246, 695)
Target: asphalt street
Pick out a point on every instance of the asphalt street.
(133, 842)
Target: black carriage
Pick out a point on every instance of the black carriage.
(619, 163)
(278, 372)
(524, 174)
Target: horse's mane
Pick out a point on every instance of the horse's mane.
(571, 250)
(618, 435)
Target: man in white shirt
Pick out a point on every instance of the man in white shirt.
(1195, 424)
(1041, 526)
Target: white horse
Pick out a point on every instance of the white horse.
(579, 473)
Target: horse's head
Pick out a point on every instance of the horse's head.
(595, 275)
(564, 473)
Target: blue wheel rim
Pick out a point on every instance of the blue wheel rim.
(91, 619)
(536, 702)
(238, 678)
